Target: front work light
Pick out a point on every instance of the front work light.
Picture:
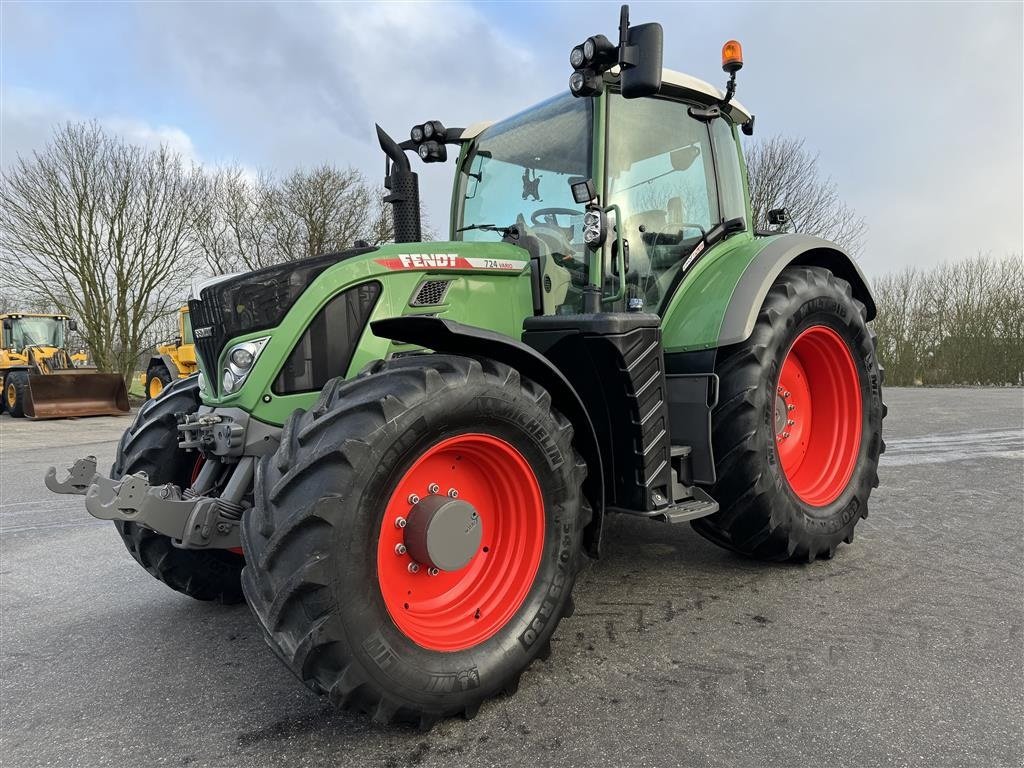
(595, 227)
(583, 190)
(432, 152)
(600, 51)
(585, 82)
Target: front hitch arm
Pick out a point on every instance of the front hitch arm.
(79, 478)
(192, 523)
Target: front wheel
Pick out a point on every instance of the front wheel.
(15, 393)
(798, 428)
(150, 445)
(416, 536)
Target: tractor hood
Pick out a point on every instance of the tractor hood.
(483, 284)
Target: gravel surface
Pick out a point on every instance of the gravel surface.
(906, 649)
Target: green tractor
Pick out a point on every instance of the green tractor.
(401, 456)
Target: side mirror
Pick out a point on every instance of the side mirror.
(72, 325)
(778, 217)
(641, 64)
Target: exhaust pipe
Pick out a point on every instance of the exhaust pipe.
(404, 187)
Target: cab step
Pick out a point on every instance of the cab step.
(700, 504)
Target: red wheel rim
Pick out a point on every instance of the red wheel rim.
(817, 416)
(458, 609)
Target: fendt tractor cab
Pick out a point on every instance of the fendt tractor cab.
(400, 456)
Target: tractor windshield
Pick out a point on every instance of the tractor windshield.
(24, 332)
(517, 172)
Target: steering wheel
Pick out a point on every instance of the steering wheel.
(551, 214)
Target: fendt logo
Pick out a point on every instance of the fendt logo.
(411, 260)
(448, 261)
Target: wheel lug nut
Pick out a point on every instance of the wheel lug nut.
(785, 394)
(414, 499)
(785, 434)
(400, 548)
(400, 522)
(453, 493)
(790, 422)
(432, 571)
(790, 407)
(433, 488)
(414, 567)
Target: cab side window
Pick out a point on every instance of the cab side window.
(661, 176)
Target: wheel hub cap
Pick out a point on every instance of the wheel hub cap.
(443, 533)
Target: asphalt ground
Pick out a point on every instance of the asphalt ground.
(905, 649)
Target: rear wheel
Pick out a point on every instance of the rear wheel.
(416, 537)
(15, 392)
(150, 445)
(157, 378)
(798, 428)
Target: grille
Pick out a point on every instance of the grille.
(430, 293)
(206, 314)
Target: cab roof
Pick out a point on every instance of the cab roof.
(672, 83)
(689, 85)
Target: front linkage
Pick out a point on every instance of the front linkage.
(192, 517)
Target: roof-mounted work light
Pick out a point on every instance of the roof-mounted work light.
(429, 138)
(638, 56)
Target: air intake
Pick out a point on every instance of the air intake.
(430, 293)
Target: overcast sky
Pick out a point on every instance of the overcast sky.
(916, 109)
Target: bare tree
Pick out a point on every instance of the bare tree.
(785, 174)
(957, 323)
(101, 230)
(247, 223)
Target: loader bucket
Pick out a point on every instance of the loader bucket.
(75, 393)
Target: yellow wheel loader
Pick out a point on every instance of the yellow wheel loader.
(173, 359)
(43, 380)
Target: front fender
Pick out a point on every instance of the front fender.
(451, 337)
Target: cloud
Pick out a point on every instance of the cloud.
(28, 119)
(302, 85)
(918, 129)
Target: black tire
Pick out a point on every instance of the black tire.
(761, 516)
(311, 541)
(150, 445)
(16, 384)
(157, 371)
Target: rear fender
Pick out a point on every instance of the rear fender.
(718, 302)
(450, 337)
(768, 263)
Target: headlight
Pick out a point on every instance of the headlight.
(416, 134)
(576, 79)
(428, 130)
(588, 49)
(241, 359)
(576, 57)
(202, 382)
